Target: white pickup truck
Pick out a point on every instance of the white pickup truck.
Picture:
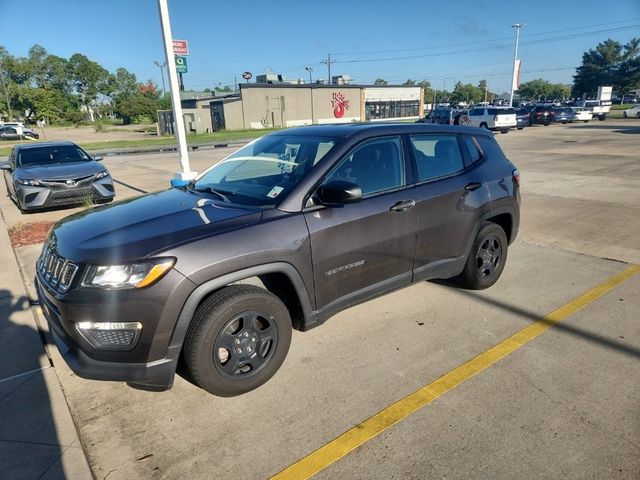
(599, 108)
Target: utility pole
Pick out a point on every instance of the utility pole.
(6, 94)
(162, 65)
(186, 175)
(328, 63)
(517, 26)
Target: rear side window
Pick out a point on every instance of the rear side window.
(436, 155)
(507, 111)
(490, 148)
(477, 111)
(472, 148)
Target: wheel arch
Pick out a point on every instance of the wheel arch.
(280, 278)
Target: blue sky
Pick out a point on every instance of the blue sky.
(444, 41)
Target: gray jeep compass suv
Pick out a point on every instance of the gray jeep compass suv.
(284, 233)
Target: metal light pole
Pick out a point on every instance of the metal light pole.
(186, 174)
(162, 65)
(309, 69)
(517, 26)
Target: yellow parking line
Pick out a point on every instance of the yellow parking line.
(365, 431)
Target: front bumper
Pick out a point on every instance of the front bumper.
(139, 366)
(45, 196)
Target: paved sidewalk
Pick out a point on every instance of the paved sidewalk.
(38, 438)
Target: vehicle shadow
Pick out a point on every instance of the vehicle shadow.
(29, 443)
(538, 317)
(615, 128)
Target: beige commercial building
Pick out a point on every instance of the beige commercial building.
(273, 106)
(260, 105)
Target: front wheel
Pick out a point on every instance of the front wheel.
(237, 340)
(624, 115)
(484, 125)
(486, 259)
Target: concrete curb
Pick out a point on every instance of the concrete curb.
(165, 148)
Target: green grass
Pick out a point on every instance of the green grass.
(215, 137)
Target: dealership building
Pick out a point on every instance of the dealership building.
(265, 105)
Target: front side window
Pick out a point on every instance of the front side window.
(436, 156)
(375, 166)
(265, 170)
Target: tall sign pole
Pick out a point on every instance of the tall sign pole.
(186, 174)
(515, 75)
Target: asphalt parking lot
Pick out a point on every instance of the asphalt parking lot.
(565, 404)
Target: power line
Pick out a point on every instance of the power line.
(436, 47)
(454, 52)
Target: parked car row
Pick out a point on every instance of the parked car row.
(503, 119)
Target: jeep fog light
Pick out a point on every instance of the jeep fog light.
(110, 334)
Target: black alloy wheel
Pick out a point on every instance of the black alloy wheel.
(487, 258)
(245, 344)
(237, 340)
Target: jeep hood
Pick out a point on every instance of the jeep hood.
(139, 227)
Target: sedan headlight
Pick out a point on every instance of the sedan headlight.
(32, 183)
(102, 174)
(130, 275)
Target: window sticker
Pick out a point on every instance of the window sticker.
(275, 191)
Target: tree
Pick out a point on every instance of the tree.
(380, 81)
(138, 108)
(125, 84)
(89, 80)
(409, 82)
(610, 63)
(540, 89)
(466, 93)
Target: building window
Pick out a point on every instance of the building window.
(391, 109)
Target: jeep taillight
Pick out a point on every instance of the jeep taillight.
(516, 176)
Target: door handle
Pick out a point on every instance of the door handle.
(403, 205)
(473, 186)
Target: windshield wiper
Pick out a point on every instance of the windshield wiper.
(220, 193)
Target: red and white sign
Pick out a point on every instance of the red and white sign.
(339, 103)
(180, 47)
(516, 74)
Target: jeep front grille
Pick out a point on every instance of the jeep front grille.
(56, 271)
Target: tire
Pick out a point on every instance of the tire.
(237, 340)
(520, 128)
(602, 117)
(637, 115)
(624, 115)
(484, 125)
(490, 240)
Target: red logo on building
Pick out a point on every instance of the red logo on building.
(339, 104)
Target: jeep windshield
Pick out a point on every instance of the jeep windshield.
(265, 170)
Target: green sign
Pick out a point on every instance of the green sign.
(181, 64)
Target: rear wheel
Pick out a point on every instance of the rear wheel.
(237, 340)
(638, 115)
(484, 125)
(486, 259)
(624, 115)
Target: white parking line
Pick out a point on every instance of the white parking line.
(13, 377)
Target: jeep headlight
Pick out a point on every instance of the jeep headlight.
(102, 174)
(129, 275)
(29, 182)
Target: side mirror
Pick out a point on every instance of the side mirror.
(339, 193)
(98, 158)
(5, 166)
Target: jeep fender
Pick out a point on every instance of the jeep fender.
(194, 299)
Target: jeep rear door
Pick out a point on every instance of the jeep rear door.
(362, 249)
(451, 195)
